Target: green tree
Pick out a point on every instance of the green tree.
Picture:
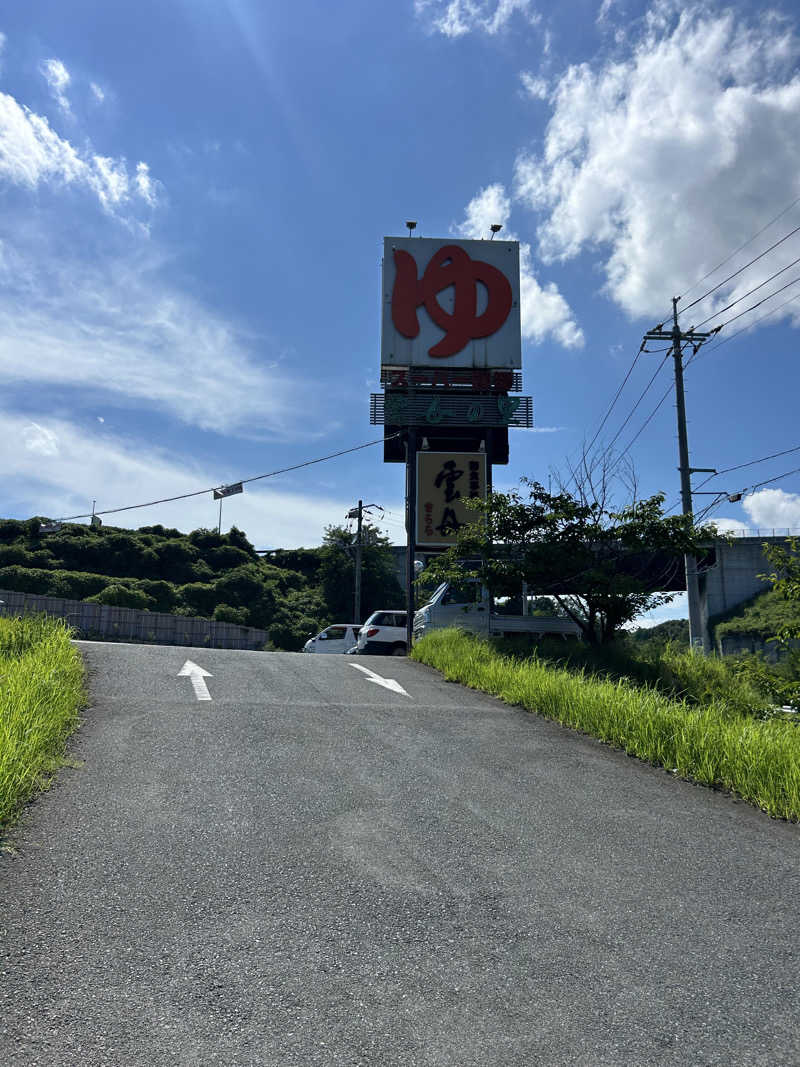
(785, 579)
(595, 561)
(299, 615)
(379, 585)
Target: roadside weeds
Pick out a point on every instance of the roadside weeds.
(41, 693)
(759, 760)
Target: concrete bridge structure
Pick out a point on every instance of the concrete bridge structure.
(729, 573)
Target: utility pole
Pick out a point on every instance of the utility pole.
(697, 636)
(357, 616)
(358, 514)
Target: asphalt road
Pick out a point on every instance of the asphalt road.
(311, 869)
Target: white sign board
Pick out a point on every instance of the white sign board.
(450, 303)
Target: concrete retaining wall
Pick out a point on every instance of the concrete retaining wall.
(101, 621)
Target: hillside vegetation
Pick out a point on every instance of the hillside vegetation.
(760, 618)
(203, 573)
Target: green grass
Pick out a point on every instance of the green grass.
(713, 744)
(41, 691)
(743, 683)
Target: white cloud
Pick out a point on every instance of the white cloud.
(84, 465)
(58, 78)
(667, 159)
(605, 8)
(773, 509)
(97, 93)
(33, 154)
(725, 525)
(544, 311)
(120, 332)
(455, 18)
(536, 88)
(39, 440)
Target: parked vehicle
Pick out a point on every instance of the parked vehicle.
(340, 637)
(383, 634)
(469, 608)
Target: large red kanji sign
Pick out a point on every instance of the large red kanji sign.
(451, 265)
(452, 300)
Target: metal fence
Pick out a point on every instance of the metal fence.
(104, 623)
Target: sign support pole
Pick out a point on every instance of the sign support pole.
(411, 528)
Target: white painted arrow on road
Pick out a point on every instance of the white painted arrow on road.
(387, 683)
(198, 677)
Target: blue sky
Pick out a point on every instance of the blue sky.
(195, 195)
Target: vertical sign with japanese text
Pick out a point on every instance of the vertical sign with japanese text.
(445, 480)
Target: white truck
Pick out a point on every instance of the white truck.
(469, 608)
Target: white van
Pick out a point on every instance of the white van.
(340, 637)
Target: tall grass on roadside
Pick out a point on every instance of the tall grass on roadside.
(41, 690)
(711, 744)
(744, 683)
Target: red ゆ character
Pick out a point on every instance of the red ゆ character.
(451, 265)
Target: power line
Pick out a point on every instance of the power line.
(242, 481)
(750, 292)
(736, 273)
(758, 303)
(638, 402)
(647, 420)
(652, 414)
(616, 396)
(777, 478)
(741, 247)
(738, 467)
(750, 463)
(750, 325)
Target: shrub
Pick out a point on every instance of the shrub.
(226, 557)
(164, 594)
(197, 598)
(122, 596)
(227, 613)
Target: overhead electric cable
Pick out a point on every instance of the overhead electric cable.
(638, 402)
(750, 463)
(777, 478)
(739, 467)
(750, 292)
(647, 421)
(741, 270)
(241, 481)
(758, 303)
(741, 248)
(773, 311)
(616, 397)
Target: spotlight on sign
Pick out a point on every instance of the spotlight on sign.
(496, 227)
(411, 226)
